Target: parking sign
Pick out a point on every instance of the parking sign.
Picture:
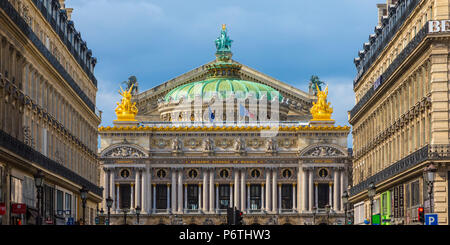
(431, 219)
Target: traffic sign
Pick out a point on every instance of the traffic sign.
(431, 219)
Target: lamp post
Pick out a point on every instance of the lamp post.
(371, 193)
(138, 212)
(345, 202)
(83, 193)
(430, 173)
(125, 211)
(109, 203)
(101, 214)
(314, 214)
(39, 182)
(328, 209)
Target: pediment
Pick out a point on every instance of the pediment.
(123, 151)
(322, 151)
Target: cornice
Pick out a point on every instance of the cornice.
(222, 128)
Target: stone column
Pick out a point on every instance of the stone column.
(211, 191)
(336, 189)
(154, 198)
(180, 191)
(112, 189)
(138, 186)
(243, 197)
(268, 194)
(150, 192)
(263, 194)
(330, 198)
(279, 198)
(342, 189)
(132, 196)
(274, 191)
(118, 196)
(174, 191)
(168, 198)
(106, 184)
(144, 190)
(305, 190)
(217, 197)
(200, 196)
(205, 190)
(311, 190)
(231, 196)
(236, 188)
(248, 197)
(316, 195)
(185, 196)
(294, 198)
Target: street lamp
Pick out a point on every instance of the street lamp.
(109, 203)
(430, 172)
(39, 182)
(138, 212)
(345, 202)
(314, 214)
(371, 193)
(328, 209)
(83, 193)
(125, 211)
(101, 215)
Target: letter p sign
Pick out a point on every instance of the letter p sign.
(431, 219)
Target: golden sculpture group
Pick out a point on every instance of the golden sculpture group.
(126, 111)
(321, 111)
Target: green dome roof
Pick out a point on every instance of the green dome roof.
(223, 87)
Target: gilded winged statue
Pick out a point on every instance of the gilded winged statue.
(321, 111)
(126, 111)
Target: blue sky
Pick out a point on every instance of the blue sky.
(288, 40)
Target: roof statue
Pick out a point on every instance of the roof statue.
(313, 81)
(321, 111)
(126, 111)
(132, 82)
(223, 43)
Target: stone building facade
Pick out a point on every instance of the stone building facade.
(48, 118)
(401, 117)
(182, 168)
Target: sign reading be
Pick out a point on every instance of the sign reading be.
(436, 26)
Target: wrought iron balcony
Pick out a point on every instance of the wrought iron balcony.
(21, 149)
(27, 31)
(390, 28)
(428, 152)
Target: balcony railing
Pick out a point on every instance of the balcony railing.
(21, 149)
(27, 31)
(428, 152)
(63, 37)
(386, 36)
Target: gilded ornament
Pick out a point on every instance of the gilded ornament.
(126, 111)
(321, 111)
